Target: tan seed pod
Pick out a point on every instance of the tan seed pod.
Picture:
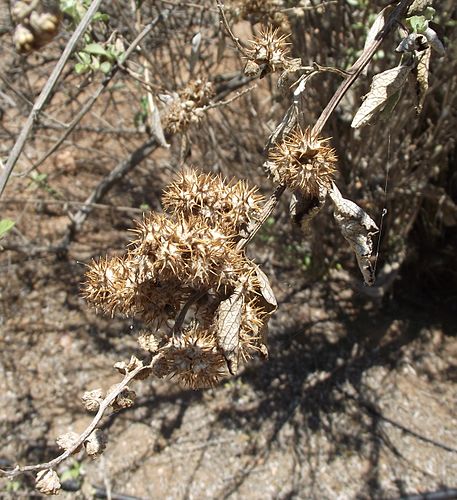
(303, 162)
(95, 444)
(67, 441)
(47, 482)
(92, 399)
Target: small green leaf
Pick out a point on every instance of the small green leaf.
(95, 48)
(105, 67)
(81, 68)
(85, 58)
(418, 23)
(5, 226)
(101, 16)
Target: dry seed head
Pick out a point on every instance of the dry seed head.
(95, 444)
(193, 358)
(67, 441)
(184, 249)
(269, 50)
(186, 107)
(226, 205)
(111, 284)
(123, 400)
(47, 482)
(92, 399)
(303, 162)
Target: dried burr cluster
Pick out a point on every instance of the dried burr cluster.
(303, 162)
(186, 107)
(205, 303)
(37, 23)
(269, 53)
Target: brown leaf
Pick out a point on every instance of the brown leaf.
(383, 86)
(421, 73)
(228, 320)
(357, 228)
(270, 303)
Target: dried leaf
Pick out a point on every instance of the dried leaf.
(382, 87)
(421, 73)
(357, 228)
(155, 123)
(228, 328)
(270, 303)
(376, 28)
(195, 51)
(434, 40)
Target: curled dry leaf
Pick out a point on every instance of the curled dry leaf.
(228, 320)
(270, 304)
(421, 74)
(47, 482)
(67, 441)
(376, 27)
(357, 228)
(383, 86)
(435, 41)
(304, 209)
(95, 444)
(92, 399)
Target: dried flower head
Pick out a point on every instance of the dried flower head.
(269, 53)
(111, 283)
(67, 441)
(95, 444)
(47, 482)
(185, 249)
(303, 162)
(92, 399)
(226, 205)
(193, 358)
(187, 105)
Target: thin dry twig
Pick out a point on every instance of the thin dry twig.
(224, 21)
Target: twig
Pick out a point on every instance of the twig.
(239, 94)
(104, 405)
(45, 93)
(224, 21)
(44, 201)
(119, 171)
